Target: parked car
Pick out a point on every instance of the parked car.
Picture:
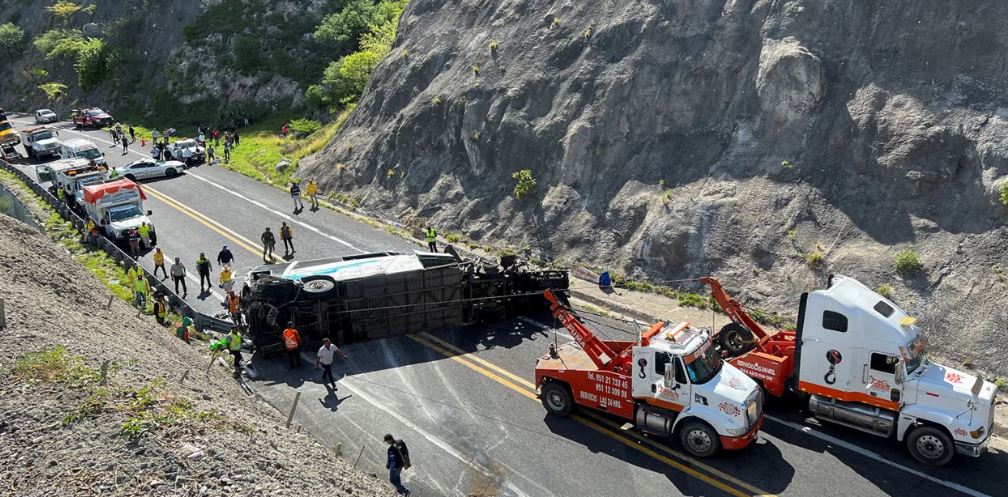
(45, 116)
(93, 117)
(150, 168)
(176, 151)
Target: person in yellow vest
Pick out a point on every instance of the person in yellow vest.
(131, 273)
(60, 194)
(141, 291)
(431, 236)
(287, 235)
(159, 263)
(144, 230)
(234, 342)
(226, 278)
(113, 173)
(160, 308)
(312, 191)
(89, 231)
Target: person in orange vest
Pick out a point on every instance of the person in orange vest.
(292, 340)
(234, 306)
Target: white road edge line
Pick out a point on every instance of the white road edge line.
(278, 213)
(429, 436)
(840, 443)
(875, 457)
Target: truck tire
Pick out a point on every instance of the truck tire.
(699, 439)
(736, 339)
(170, 172)
(556, 398)
(930, 445)
(319, 287)
(130, 177)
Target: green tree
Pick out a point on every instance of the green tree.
(96, 61)
(12, 40)
(58, 42)
(53, 91)
(347, 77)
(347, 25)
(248, 53)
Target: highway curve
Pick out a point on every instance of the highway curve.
(462, 397)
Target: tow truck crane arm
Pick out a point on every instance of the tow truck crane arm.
(599, 352)
(733, 309)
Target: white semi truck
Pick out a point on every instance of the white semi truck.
(117, 206)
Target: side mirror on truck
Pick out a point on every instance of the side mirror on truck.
(44, 174)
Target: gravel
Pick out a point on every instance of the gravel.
(219, 442)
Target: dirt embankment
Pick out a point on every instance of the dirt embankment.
(147, 431)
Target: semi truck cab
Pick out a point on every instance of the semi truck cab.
(864, 362)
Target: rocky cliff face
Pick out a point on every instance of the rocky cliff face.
(672, 139)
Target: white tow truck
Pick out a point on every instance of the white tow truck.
(40, 142)
(71, 175)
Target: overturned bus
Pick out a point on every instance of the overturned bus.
(370, 296)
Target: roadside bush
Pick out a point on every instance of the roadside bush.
(301, 128)
(316, 96)
(55, 365)
(12, 40)
(1003, 193)
(814, 258)
(525, 183)
(59, 43)
(885, 290)
(907, 262)
(53, 90)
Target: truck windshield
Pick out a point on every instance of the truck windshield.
(915, 353)
(126, 213)
(90, 153)
(4, 125)
(705, 365)
(45, 135)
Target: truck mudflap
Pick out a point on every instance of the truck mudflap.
(741, 442)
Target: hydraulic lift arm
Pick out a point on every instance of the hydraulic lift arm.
(599, 352)
(733, 308)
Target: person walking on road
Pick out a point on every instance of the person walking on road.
(295, 192)
(226, 278)
(141, 290)
(292, 341)
(178, 274)
(132, 133)
(225, 256)
(431, 237)
(398, 460)
(125, 144)
(233, 301)
(154, 136)
(159, 263)
(312, 191)
(268, 241)
(325, 358)
(203, 267)
(288, 238)
(234, 342)
(210, 154)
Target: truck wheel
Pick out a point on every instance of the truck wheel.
(130, 177)
(556, 399)
(736, 339)
(699, 439)
(930, 445)
(319, 287)
(170, 172)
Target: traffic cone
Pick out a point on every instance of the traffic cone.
(143, 142)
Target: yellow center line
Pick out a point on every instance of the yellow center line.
(516, 383)
(469, 360)
(218, 228)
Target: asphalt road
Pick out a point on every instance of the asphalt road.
(462, 397)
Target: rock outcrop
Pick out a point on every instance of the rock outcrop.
(671, 139)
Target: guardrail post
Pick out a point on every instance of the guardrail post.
(3, 316)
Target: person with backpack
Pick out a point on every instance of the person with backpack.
(268, 241)
(398, 460)
(287, 235)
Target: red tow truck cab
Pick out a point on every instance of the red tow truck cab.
(92, 117)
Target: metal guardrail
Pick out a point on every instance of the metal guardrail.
(200, 321)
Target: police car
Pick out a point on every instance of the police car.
(150, 168)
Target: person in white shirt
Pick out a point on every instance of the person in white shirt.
(325, 358)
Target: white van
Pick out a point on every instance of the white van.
(81, 148)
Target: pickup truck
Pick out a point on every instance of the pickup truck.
(91, 118)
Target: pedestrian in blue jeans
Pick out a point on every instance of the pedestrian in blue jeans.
(398, 460)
